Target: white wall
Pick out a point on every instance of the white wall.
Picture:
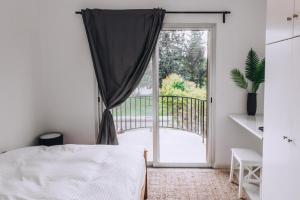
(66, 82)
(18, 59)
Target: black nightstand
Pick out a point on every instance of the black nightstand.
(51, 138)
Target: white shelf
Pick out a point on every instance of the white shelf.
(250, 123)
(252, 191)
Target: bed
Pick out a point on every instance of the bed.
(77, 172)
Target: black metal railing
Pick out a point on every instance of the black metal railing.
(185, 113)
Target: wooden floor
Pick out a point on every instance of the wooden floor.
(190, 184)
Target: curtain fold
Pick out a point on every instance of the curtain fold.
(121, 44)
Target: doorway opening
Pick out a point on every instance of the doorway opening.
(183, 95)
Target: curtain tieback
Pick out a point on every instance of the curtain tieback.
(106, 112)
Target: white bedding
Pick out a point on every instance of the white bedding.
(72, 172)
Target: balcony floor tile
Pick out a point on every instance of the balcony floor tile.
(176, 146)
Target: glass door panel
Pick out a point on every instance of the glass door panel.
(134, 118)
(182, 95)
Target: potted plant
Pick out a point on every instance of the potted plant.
(254, 73)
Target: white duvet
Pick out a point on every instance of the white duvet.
(72, 172)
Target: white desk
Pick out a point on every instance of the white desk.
(250, 123)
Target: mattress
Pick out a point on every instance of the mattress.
(75, 172)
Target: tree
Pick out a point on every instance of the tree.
(170, 53)
(183, 52)
(195, 60)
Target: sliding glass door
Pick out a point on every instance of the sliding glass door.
(168, 113)
(182, 93)
(134, 118)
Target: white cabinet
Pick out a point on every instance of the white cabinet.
(277, 122)
(296, 17)
(295, 119)
(281, 145)
(279, 20)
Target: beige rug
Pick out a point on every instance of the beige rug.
(190, 184)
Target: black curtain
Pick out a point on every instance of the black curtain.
(121, 44)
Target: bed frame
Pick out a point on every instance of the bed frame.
(144, 193)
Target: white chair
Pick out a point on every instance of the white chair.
(249, 160)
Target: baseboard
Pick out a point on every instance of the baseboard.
(221, 166)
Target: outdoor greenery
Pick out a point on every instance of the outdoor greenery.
(135, 106)
(182, 86)
(172, 85)
(175, 85)
(254, 72)
(184, 53)
(182, 73)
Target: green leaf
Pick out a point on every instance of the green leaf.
(179, 85)
(251, 63)
(239, 78)
(259, 75)
(260, 72)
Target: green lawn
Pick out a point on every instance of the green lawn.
(142, 106)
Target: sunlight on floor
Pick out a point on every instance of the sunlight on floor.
(176, 146)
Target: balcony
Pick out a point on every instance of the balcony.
(182, 123)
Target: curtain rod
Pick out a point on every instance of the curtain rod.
(223, 13)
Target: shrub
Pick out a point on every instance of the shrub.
(175, 85)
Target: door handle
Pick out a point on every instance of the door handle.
(290, 140)
(289, 19)
(285, 137)
(295, 15)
